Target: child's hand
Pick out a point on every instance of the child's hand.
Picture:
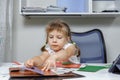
(50, 63)
(29, 63)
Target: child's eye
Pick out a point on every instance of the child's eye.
(59, 37)
(50, 36)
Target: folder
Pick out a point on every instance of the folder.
(17, 72)
(91, 68)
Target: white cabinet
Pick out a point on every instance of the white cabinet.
(105, 8)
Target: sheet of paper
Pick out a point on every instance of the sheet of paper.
(34, 69)
(63, 70)
(4, 73)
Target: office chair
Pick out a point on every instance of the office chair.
(92, 46)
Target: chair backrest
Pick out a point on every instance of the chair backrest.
(92, 46)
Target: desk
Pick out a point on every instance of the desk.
(99, 75)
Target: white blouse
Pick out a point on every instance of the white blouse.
(73, 59)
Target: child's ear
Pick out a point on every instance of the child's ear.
(68, 39)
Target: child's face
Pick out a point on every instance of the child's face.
(57, 40)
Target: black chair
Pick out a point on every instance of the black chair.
(92, 46)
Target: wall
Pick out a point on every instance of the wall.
(29, 34)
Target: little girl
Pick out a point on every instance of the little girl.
(59, 47)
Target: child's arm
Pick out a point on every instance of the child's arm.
(66, 54)
(37, 60)
(60, 55)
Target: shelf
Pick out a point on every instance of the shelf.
(113, 14)
(93, 9)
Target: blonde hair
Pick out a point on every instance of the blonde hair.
(60, 26)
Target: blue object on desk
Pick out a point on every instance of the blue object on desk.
(115, 67)
(74, 5)
(118, 66)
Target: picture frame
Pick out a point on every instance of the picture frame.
(115, 67)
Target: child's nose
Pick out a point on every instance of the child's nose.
(54, 40)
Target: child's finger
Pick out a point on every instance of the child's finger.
(45, 66)
(29, 63)
(48, 67)
(54, 66)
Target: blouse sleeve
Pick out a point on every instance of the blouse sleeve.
(50, 51)
(67, 45)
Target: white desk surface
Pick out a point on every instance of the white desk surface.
(99, 75)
